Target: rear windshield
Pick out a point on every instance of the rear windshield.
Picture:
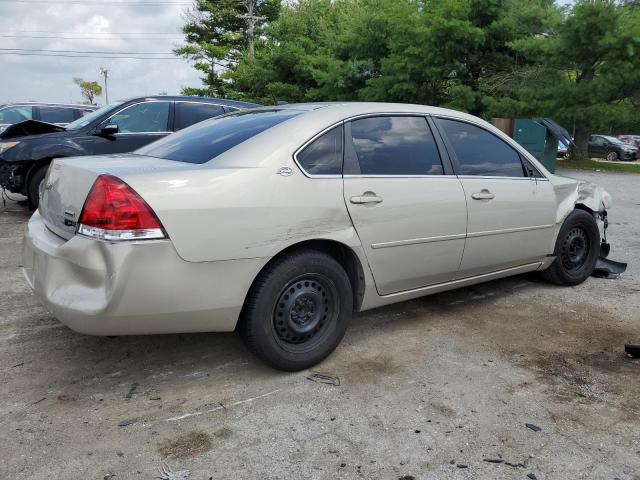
(206, 140)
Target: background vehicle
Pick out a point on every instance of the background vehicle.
(56, 113)
(603, 146)
(283, 221)
(117, 128)
(630, 139)
(562, 150)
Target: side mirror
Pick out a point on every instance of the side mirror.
(109, 129)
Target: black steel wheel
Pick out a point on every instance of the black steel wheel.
(304, 312)
(576, 250)
(297, 310)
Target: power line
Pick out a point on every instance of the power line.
(132, 3)
(31, 37)
(94, 33)
(24, 54)
(83, 51)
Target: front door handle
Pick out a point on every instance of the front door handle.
(483, 194)
(366, 197)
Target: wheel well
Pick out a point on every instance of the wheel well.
(343, 254)
(37, 164)
(580, 206)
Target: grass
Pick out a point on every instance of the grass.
(592, 165)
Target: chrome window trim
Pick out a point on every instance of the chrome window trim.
(311, 140)
(106, 122)
(498, 177)
(202, 103)
(398, 176)
(143, 133)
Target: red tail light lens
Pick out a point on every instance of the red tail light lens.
(114, 211)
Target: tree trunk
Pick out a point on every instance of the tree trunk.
(578, 151)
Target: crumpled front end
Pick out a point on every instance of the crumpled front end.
(571, 194)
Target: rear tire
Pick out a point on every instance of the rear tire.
(576, 250)
(297, 310)
(612, 156)
(33, 189)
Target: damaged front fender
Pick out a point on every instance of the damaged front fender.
(571, 192)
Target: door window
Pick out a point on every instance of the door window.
(57, 114)
(323, 156)
(15, 114)
(402, 145)
(599, 141)
(480, 152)
(142, 117)
(189, 113)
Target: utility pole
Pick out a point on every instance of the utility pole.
(105, 72)
(251, 22)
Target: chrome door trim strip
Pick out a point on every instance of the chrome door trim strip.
(415, 241)
(508, 230)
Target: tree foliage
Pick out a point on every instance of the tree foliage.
(215, 39)
(89, 90)
(493, 58)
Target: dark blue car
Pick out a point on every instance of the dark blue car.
(27, 148)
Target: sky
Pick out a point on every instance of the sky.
(96, 26)
(140, 27)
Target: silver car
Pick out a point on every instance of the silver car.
(282, 222)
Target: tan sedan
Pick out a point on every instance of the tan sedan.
(282, 222)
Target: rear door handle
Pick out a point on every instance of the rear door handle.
(366, 197)
(483, 194)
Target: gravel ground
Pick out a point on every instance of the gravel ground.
(436, 388)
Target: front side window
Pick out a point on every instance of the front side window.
(402, 145)
(206, 140)
(15, 114)
(481, 153)
(323, 156)
(57, 114)
(142, 117)
(188, 113)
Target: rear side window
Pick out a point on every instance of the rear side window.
(206, 140)
(395, 146)
(323, 156)
(188, 113)
(15, 114)
(57, 114)
(480, 152)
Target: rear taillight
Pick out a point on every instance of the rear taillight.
(113, 211)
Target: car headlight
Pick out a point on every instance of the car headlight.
(4, 146)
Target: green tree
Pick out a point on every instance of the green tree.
(585, 75)
(89, 90)
(430, 51)
(216, 38)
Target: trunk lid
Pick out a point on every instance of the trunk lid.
(69, 181)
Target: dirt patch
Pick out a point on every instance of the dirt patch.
(444, 410)
(371, 368)
(186, 445)
(224, 433)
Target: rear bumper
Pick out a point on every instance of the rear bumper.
(132, 288)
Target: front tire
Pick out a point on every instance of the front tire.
(297, 310)
(576, 250)
(33, 189)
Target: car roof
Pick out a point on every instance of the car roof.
(350, 109)
(47, 104)
(186, 98)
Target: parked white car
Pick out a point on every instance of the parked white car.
(283, 221)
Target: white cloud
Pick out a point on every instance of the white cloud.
(50, 79)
